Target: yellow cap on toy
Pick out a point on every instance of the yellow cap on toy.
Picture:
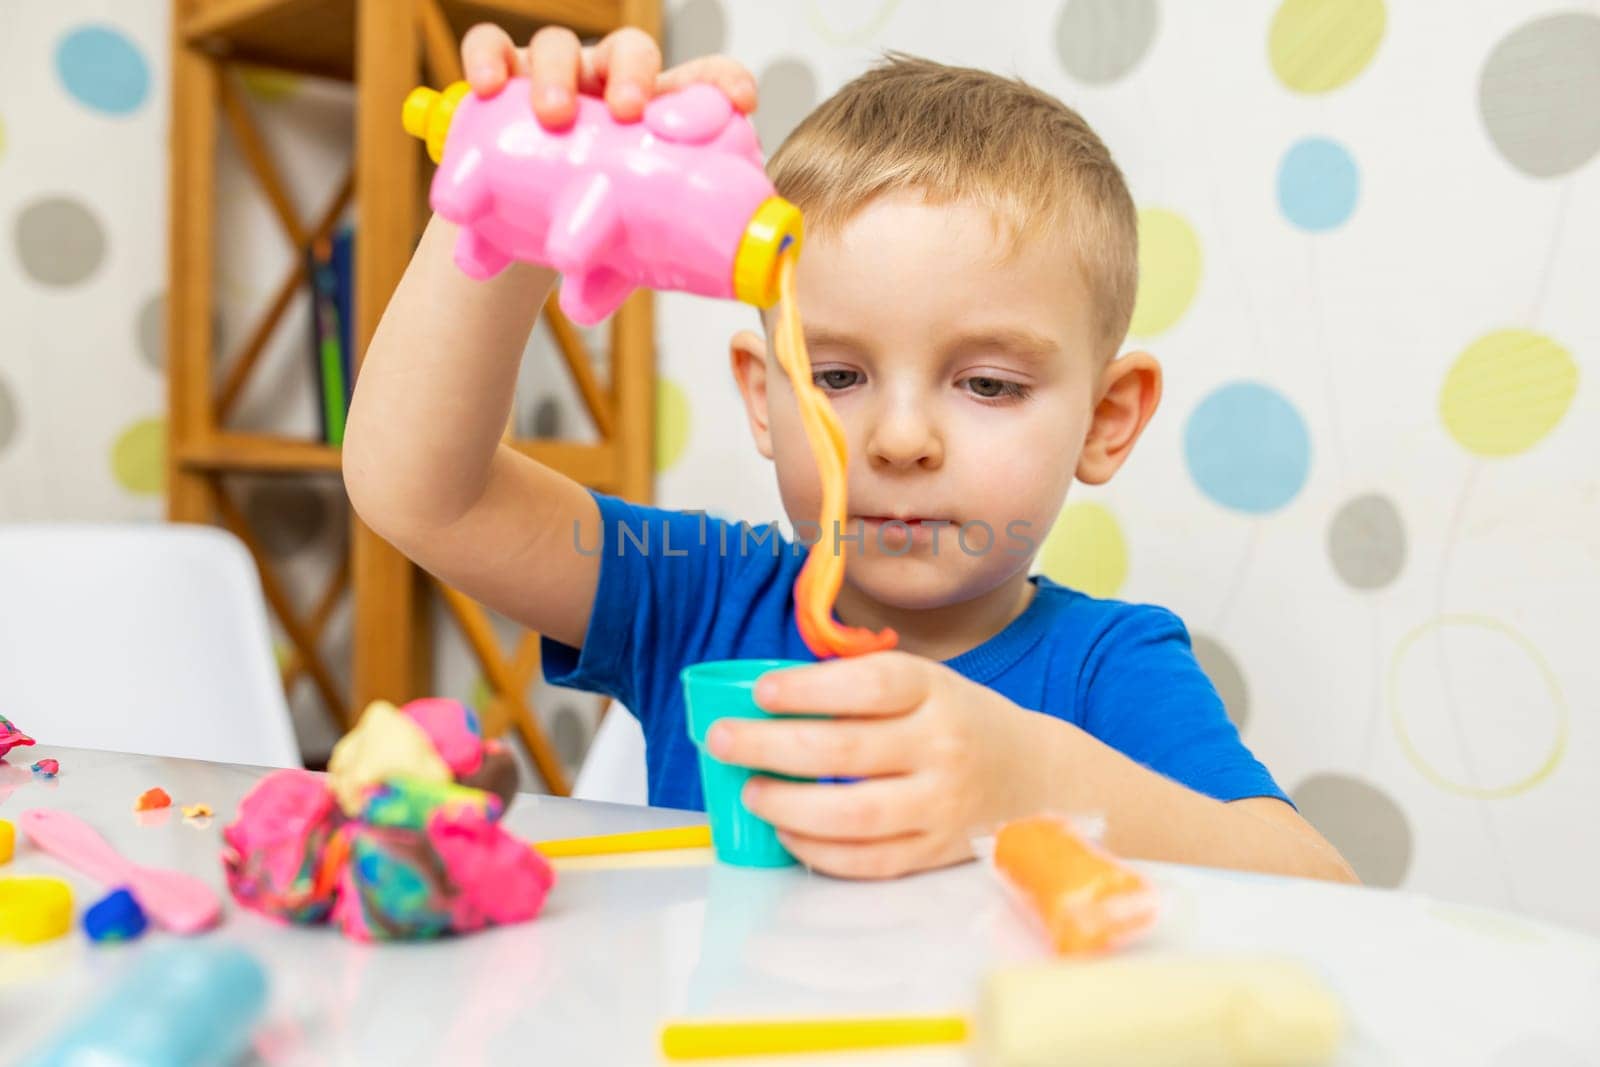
(427, 113)
(8, 841)
(34, 909)
(774, 227)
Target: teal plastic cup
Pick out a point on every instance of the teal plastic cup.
(725, 689)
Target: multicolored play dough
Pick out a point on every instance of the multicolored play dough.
(384, 744)
(402, 840)
(276, 848)
(11, 737)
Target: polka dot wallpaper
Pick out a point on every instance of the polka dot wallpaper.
(1368, 251)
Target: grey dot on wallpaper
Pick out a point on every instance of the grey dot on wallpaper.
(788, 92)
(59, 241)
(1224, 672)
(697, 28)
(1539, 94)
(568, 734)
(1363, 822)
(547, 418)
(1099, 41)
(285, 516)
(1367, 542)
(8, 416)
(152, 331)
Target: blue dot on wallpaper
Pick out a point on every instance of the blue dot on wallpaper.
(103, 70)
(1317, 184)
(1247, 448)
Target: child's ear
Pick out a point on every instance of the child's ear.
(747, 353)
(1130, 390)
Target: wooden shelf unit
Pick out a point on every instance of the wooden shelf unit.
(385, 47)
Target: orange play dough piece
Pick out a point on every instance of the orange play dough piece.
(820, 579)
(1082, 897)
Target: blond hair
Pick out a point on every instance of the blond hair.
(955, 133)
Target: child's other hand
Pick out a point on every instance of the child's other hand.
(624, 68)
(941, 758)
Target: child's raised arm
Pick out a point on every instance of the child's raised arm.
(423, 460)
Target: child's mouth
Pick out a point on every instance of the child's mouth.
(897, 531)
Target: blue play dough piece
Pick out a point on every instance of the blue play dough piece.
(117, 917)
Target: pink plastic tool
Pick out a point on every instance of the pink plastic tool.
(677, 200)
(177, 901)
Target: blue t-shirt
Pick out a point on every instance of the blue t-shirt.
(679, 588)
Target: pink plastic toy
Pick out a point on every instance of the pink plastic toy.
(677, 200)
(180, 902)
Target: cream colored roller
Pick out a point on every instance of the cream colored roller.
(1194, 1013)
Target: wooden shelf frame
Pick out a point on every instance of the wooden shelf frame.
(383, 47)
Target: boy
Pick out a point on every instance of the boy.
(967, 278)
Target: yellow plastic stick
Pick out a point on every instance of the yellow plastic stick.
(693, 1040)
(637, 841)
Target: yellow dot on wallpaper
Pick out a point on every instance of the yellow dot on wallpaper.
(1086, 550)
(1169, 271)
(672, 423)
(270, 85)
(139, 457)
(1506, 391)
(1318, 45)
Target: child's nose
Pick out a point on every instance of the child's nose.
(904, 436)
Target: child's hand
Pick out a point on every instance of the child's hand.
(941, 758)
(625, 68)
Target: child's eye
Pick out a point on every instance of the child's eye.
(834, 380)
(995, 388)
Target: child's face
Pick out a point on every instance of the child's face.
(965, 374)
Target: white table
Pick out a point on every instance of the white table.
(617, 950)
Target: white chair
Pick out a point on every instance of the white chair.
(142, 638)
(613, 770)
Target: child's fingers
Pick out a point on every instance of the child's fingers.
(489, 58)
(729, 75)
(881, 683)
(628, 62)
(870, 810)
(834, 748)
(860, 859)
(554, 60)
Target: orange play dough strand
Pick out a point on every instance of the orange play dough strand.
(823, 574)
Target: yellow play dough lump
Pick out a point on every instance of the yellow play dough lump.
(34, 909)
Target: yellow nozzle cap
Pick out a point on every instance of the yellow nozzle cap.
(414, 114)
(426, 115)
(772, 229)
